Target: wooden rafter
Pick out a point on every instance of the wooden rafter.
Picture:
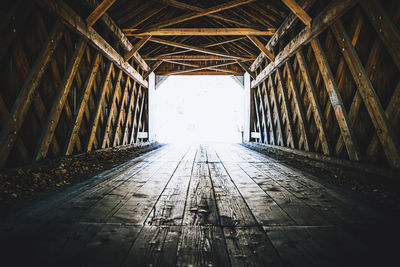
(74, 21)
(201, 32)
(192, 58)
(136, 48)
(98, 12)
(119, 35)
(280, 32)
(328, 16)
(214, 67)
(189, 7)
(298, 11)
(260, 46)
(196, 48)
(194, 15)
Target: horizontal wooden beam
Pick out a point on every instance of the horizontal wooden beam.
(192, 58)
(77, 24)
(213, 67)
(281, 31)
(98, 12)
(185, 6)
(196, 48)
(204, 72)
(193, 15)
(328, 16)
(201, 31)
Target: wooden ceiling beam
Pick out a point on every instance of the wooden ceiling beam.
(298, 11)
(201, 31)
(98, 12)
(192, 58)
(245, 68)
(185, 6)
(196, 48)
(328, 16)
(281, 31)
(126, 44)
(136, 48)
(193, 15)
(214, 67)
(260, 46)
(205, 72)
(226, 41)
(78, 25)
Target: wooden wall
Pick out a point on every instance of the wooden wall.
(334, 88)
(59, 94)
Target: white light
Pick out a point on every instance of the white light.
(199, 109)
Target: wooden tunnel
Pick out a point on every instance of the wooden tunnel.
(323, 75)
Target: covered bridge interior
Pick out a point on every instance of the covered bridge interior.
(315, 182)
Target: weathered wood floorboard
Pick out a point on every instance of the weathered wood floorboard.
(201, 205)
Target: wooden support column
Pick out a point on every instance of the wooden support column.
(140, 116)
(286, 107)
(386, 29)
(312, 95)
(21, 106)
(393, 114)
(276, 111)
(337, 103)
(81, 106)
(299, 108)
(384, 130)
(134, 98)
(263, 123)
(22, 63)
(100, 100)
(120, 112)
(273, 139)
(111, 115)
(258, 121)
(58, 103)
(20, 148)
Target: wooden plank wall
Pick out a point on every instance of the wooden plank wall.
(338, 94)
(60, 95)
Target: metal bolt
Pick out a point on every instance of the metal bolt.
(359, 74)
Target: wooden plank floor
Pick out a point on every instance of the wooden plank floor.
(206, 205)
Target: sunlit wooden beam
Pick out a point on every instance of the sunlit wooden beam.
(201, 31)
